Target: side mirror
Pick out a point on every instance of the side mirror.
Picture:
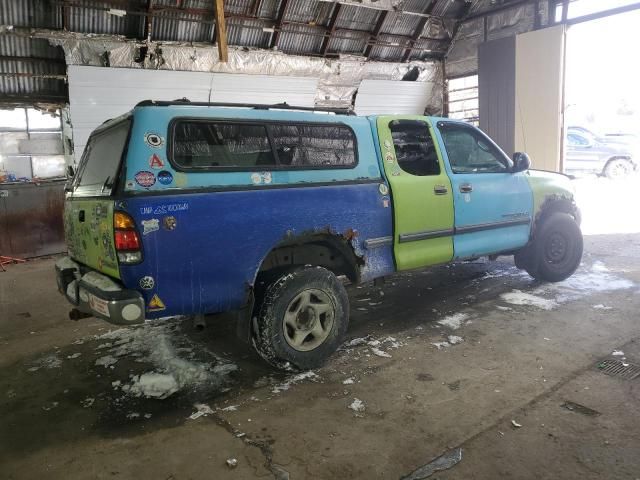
(521, 162)
(70, 171)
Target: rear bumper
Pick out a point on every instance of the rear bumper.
(98, 295)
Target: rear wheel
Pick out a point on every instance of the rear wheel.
(556, 251)
(618, 168)
(302, 318)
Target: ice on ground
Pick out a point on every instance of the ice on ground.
(106, 361)
(174, 368)
(202, 409)
(380, 353)
(357, 405)
(440, 345)
(601, 306)
(88, 402)
(348, 381)
(454, 321)
(48, 361)
(75, 355)
(618, 353)
(230, 408)
(454, 339)
(504, 309)
(152, 385)
(517, 297)
(582, 283)
(310, 375)
(133, 415)
(356, 341)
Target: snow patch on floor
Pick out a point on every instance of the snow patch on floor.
(48, 361)
(601, 306)
(454, 321)
(310, 375)
(357, 405)
(455, 339)
(518, 297)
(380, 353)
(174, 368)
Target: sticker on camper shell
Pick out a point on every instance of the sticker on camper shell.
(262, 177)
(389, 158)
(145, 179)
(165, 177)
(155, 162)
(387, 144)
(153, 139)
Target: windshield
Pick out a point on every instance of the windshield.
(101, 159)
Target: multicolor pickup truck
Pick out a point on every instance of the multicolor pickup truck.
(180, 208)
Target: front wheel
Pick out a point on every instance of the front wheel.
(302, 318)
(556, 251)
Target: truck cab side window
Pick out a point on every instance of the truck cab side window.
(469, 151)
(415, 150)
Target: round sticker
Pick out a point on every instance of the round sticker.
(145, 179)
(256, 178)
(153, 140)
(387, 143)
(165, 177)
(147, 283)
(383, 189)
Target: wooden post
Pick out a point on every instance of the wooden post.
(221, 31)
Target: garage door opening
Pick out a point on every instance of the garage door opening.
(602, 115)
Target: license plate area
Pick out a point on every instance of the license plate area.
(99, 305)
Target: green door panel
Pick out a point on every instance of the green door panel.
(423, 219)
(90, 241)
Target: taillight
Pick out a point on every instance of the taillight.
(127, 239)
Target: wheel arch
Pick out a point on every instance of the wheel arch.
(327, 249)
(555, 204)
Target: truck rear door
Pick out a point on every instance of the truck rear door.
(420, 189)
(88, 213)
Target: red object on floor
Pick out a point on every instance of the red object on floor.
(7, 260)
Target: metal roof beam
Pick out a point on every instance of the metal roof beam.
(281, 13)
(330, 29)
(373, 39)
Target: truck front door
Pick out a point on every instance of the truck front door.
(493, 204)
(420, 189)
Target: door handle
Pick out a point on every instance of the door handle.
(81, 216)
(466, 188)
(440, 190)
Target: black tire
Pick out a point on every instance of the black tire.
(273, 334)
(618, 168)
(556, 251)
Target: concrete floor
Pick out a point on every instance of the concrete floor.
(64, 416)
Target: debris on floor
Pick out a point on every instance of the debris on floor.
(516, 424)
(455, 339)
(444, 462)
(576, 407)
(601, 306)
(232, 462)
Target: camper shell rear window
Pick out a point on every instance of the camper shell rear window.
(98, 170)
(198, 144)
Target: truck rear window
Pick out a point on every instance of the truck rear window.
(101, 159)
(211, 145)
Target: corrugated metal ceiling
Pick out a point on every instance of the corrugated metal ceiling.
(307, 27)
